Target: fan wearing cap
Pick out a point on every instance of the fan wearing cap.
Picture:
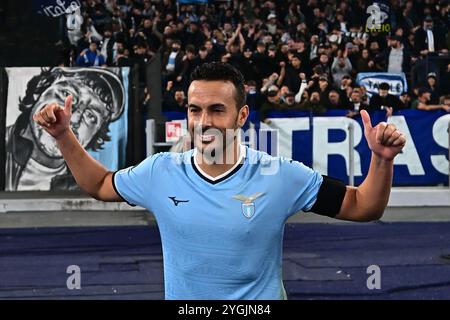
(423, 101)
(385, 101)
(433, 86)
(289, 102)
(33, 156)
(272, 101)
(272, 23)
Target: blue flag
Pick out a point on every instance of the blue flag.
(371, 81)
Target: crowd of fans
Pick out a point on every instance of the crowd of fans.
(294, 55)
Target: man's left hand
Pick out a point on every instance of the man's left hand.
(385, 140)
(389, 111)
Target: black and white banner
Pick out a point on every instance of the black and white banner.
(99, 121)
(56, 8)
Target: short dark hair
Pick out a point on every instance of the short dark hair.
(297, 56)
(190, 48)
(384, 86)
(218, 71)
(422, 91)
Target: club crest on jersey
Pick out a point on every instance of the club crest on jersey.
(248, 205)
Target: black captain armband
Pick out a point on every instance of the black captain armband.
(330, 197)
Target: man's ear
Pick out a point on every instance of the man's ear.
(243, 115)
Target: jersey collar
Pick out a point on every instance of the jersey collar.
(223, 176)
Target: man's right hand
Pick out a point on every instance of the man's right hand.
(54, 118)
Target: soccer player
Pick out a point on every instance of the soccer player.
(221, 221)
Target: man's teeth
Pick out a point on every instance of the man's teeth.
(207, 137)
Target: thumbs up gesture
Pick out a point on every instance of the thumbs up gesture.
(54, 118)
(385, 140)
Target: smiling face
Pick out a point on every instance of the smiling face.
(88, 113)
(212, 111)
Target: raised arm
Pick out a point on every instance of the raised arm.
(368, 201)
(91, 176)
(429, 107)
(233, 38)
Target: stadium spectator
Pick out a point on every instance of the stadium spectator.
(74, 21)
(91, 57)
(248, 68)
(341, 67)
(346, 88)
(150, 33)
(395, 58)
(174, 99)
(253, 96)
(142, 57)
(261, 61)
(433, 86)
(257, 37)
(313, 104)
(295, 72)
(122, 59)
(203, 56)
(365, 63)
(429, 39)
(385, 101)
(273, 59)
(356, 103)
(323, 87)
(445, 100)
(324, 63)
(172, 63)
(214, 51)
(108, 47)
(313, 47)
(405, 98)
(290, 104)
(190, 62)
(334, 101)
(423, 101)
(272, 102)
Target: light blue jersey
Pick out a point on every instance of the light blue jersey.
(222, 238)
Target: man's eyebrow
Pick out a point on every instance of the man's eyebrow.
(215, 105)
(67, 85)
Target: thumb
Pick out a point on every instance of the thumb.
(366, 120)
(68, 105)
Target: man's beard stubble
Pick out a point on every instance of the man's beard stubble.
(220, 151)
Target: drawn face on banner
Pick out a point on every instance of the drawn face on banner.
(33, 160)
(89, 113)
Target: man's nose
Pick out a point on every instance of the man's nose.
(205, 119)
(76, 117)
